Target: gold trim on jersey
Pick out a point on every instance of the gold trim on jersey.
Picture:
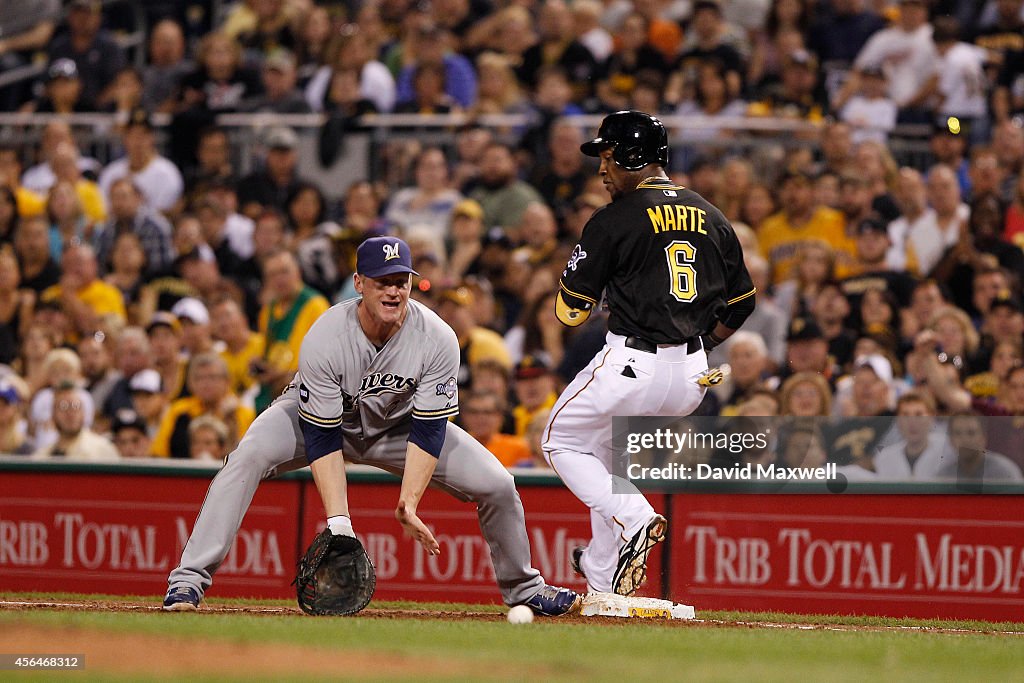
(436, 414)
(575, 294)
(658, 184)
(320, 421)
(741, 297)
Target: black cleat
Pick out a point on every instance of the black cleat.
(576, 559)
(631, 571)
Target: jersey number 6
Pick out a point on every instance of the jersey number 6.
(681, 255)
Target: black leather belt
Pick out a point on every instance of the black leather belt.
(692, 344)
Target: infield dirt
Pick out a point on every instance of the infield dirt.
(133, 639)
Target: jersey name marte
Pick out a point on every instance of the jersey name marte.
(667, 262)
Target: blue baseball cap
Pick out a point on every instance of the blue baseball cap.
(8, 393)
(380, 256)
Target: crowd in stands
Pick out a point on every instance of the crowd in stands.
(153, 303)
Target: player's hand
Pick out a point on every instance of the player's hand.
(416, 529)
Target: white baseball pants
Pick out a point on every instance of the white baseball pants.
(577, 440)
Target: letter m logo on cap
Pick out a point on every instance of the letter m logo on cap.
(390, 251)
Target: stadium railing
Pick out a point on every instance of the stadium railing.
(759, 139)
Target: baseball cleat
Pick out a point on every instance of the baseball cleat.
(632, 569)
(181, 599)
(552, 601)
(576, 560)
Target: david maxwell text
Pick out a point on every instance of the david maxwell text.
(738, 471)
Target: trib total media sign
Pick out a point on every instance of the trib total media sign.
(953, 556)
(899, 555)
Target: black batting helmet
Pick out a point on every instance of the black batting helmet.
(636, 139)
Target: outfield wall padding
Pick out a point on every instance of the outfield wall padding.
(925, 551)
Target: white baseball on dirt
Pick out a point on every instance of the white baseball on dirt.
(520, 614)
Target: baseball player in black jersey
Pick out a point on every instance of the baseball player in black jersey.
(672, 273)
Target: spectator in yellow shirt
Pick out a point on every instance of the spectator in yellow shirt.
(28, 202)
(66, 168)
(800, 221)
(167, 359)
(242, 346)
(476, 343)
(284, 320)
(209, 383)
(535, 392)
(85, 298)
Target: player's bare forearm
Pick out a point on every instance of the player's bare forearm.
(419, 468)
(329, 475)
(721, 332)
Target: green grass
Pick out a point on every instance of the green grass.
(865, 621)
(573, 651)
(248, 602)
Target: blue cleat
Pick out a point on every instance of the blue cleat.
(631, 571)
(182, 599)
(552, 601)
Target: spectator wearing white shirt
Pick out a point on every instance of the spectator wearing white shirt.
(907, 54)
(61, 367)
(157, 177)
(237, 227)
(918, 454)
(913, 225)
(375, 81)
(587, 18)
(213, 218)
(871, 113)
(74, 439)
(40, 178)
(431, 200)
(969, 460)
(951, 216)
(962, 91)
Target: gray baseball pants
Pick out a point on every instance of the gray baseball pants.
(274, 445)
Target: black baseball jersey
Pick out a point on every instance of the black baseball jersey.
(667, 259)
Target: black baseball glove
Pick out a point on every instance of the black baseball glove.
(335, 576)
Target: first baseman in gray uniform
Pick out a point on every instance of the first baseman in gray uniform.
(376, 384)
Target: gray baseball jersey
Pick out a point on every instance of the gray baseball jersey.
(372, 395)
(368, 392)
